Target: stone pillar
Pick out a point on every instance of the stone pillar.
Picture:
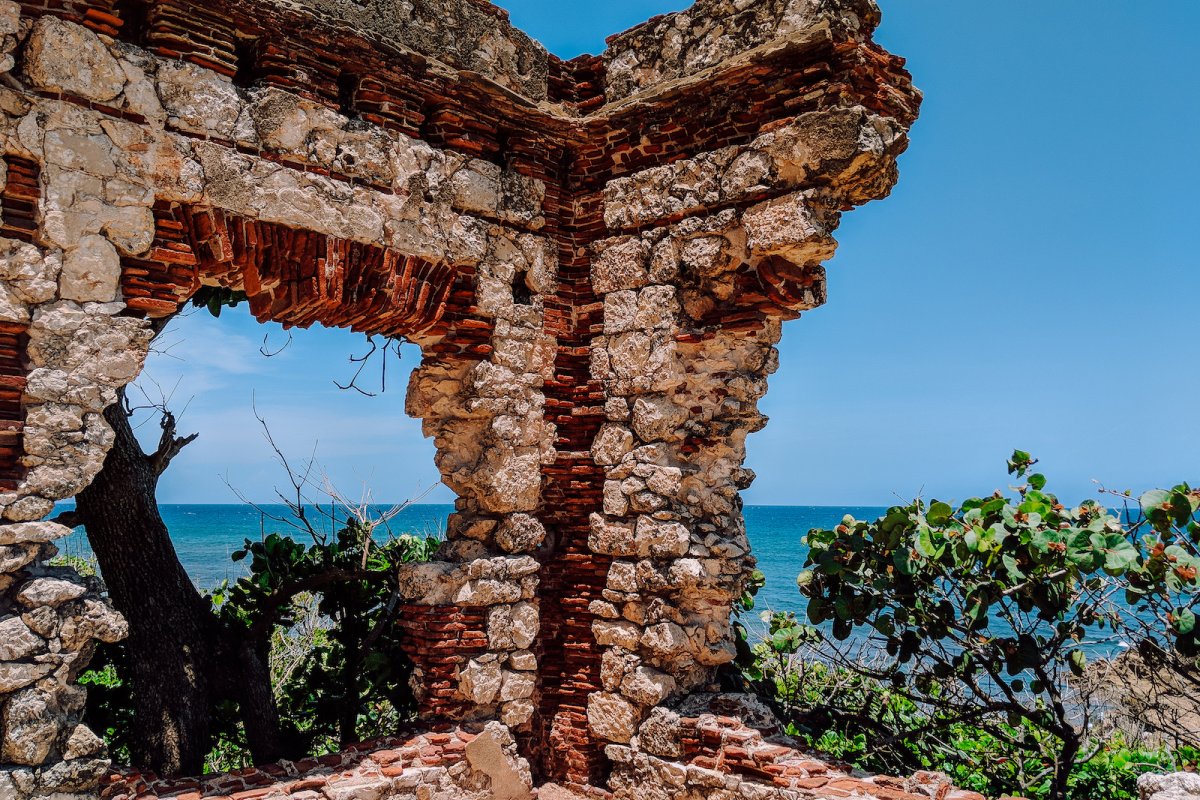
(692, 312)
(486, 413)
(65, 225)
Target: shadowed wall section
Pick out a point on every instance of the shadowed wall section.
(595, 258)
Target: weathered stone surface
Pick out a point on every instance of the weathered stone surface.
(520, 533)
(512, 627)
(89, 71)
(612, 717)
(676, 45)
(517, 686)
(788, 227)
(494, 753)
(21, 532)
(17, 641)
(13, 557)
(16, 675)
(481, 680)
(1176, 786)
(647, 686)
(611, 444)
(52, 592)
(662, 734)
(82, 743)
(30, 727)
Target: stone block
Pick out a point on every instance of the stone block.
(612, 717)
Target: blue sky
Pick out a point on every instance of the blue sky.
(1030, 283)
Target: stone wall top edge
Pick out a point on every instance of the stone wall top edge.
(472, 42)
(671, 46)
(473, 35)
(476, 36)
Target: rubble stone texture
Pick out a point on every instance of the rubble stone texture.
(595, 256)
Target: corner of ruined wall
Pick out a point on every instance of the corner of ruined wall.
(684, 43)
(695, 286)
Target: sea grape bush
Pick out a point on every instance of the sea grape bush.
(353, 668)
(856, 719)
(987, 612)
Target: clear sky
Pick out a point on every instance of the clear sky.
(1030, 283)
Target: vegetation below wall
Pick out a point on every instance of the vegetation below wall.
(866, 723)
(338, 671)
(967, 641)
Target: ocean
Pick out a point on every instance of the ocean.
(205, 537)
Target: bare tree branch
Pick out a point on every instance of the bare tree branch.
(169, 445)
(390, 344)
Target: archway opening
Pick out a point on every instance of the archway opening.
(288, 514)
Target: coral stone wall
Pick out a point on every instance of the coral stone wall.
(595, 258)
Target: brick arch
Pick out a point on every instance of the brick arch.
(290, 275)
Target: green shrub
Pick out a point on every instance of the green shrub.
(977, 622)
(338, 668)
(865, 722)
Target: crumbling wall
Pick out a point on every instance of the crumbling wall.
(596, 258)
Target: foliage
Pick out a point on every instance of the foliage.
(327, 609)
(84, 566)
(109, 709)
(215, 298)
(354, 673)
(867, 723)
(976, 624)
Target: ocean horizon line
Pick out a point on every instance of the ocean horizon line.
(277, 504)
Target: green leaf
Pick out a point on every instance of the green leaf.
(1181, 508)
(1078, 662)
(1185, 621)
(904, 562)
(1121, 556)
(971, 540)
(926, 546)
(939, 513)
(1037, 481)
(1155, 498)
(1019, 463)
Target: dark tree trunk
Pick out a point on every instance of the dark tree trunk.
(256, 700)
(348, 722)
(182, 659)
(1067, 755)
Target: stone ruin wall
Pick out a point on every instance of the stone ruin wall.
(595, 257)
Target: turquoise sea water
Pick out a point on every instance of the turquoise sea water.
(206, 535)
